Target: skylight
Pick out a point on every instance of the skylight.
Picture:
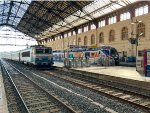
(11, 12)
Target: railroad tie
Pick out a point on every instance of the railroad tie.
(145, 103)
(125, 96)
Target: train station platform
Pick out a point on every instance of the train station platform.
(127, 75)
(3, 101)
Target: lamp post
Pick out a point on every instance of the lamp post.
(134, 40)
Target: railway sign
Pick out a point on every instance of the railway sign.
(147, 62)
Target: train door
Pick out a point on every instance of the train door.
(19, 56)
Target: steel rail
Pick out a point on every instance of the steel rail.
(57, 99)
(26, 108)
(88, 78)
(106, 94)
(109, 95)
(106, 85)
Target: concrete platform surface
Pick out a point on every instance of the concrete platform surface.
(58, 64)
(117, 71)
(3, 101)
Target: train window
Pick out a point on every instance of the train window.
(99, 52)
(50, 51)
(87, 54)
(140, 53)
(113, 52)
(26, 54)
(47, 51)
(105, 51)
(39, 51)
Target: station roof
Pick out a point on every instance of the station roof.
(43, 19)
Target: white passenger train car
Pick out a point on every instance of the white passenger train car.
(15, 55)
(36, 55)
(27, 56)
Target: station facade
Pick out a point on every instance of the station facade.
(114, 29)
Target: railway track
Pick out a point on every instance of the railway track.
(136, 99)
(131, 98)
(120, 85)
(34, 98)
(13, 98)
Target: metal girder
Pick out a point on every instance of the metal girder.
(116, 2)
(107, 5)
(14, 37)
(10, 8)
(81, 9)
(17, 11)
(55, 10)
(14, 27)
(51, 11)
(39, 19)
(11, 45)
(72, 14)
(30, 14)
(4, 3)
(5, 24)
(10, 16)
(34, 25)
(31, 25)
(17, 1)
(3, 10)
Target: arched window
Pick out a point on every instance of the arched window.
(111, 36)
(92, 39)
(79, 41)
(101, 37)
(85, 40)
(124, 33)
(141, 29)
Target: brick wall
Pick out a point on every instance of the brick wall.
(120, 45)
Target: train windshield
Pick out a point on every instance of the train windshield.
(48, 51)
(106, 51)
(112, 52)
(39, 51)
(43, 51)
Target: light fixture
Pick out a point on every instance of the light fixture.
(137, 21)
(141, 34)
(140, 21)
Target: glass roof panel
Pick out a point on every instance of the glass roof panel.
(96, 9)
(11, 11)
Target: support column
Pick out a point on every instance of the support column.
(106, 20)
(89, 26)
(118, 17)
(82, 28)
(132, 12)
(52, 41)
(76, 31)
(62, 34)
(39, 42)
(96, 24)
(148, 7)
